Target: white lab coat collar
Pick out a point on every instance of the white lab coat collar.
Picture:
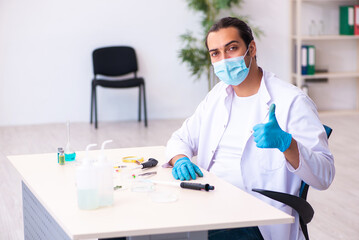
(265, 98)
(263, 91)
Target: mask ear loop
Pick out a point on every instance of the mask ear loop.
(246, 52)
(250, 62)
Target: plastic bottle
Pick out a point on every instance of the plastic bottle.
(104, 169)
(86, 181)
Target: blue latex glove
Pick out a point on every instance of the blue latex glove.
(270, 135)
(184, 169)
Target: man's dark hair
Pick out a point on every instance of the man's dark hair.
(244, 30)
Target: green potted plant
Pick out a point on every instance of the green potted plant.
(195, 53)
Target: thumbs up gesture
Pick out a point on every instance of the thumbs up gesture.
(270, 135)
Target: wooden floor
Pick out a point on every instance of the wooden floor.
(336, 209)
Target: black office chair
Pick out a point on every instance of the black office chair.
(115, 62)
(300, 204)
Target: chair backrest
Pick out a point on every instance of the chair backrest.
(304, 187)
(114, 61)
(328, 130)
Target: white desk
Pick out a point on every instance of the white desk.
(134, 213)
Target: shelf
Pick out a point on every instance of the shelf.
(329, 75)
(327, 37)
(298, 37)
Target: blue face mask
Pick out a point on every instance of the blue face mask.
(232, 71)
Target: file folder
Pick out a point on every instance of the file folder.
(356, 19)
(304, 59)
(346, 20)
(311, 60)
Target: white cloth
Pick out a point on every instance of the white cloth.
(263, 168)
(226, 162)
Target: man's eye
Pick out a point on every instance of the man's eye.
(232, 48)
(213, 54)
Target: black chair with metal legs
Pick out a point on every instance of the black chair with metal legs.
(300, 204)
(116, 62)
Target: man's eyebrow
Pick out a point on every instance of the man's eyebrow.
(234, 41)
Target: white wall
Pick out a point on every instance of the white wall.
(272, 17)
(45, 56)
(45, 63)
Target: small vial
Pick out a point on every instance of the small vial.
(321, 27)
(61, 157)
(313, 29)
(58, 153)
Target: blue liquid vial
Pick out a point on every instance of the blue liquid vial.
(70, 154)
(70, 157)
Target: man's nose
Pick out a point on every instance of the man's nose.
(226, 55)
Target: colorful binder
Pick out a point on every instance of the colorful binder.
(346, 20)
(356, 19)
(311, 60)
(304, 59)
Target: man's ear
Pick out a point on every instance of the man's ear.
(252, 48)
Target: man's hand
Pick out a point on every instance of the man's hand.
(270, 135)
(184, 169)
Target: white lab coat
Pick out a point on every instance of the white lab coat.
(263, 168)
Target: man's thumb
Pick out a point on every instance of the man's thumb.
(272, 112)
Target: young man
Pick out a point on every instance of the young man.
(252, 130)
